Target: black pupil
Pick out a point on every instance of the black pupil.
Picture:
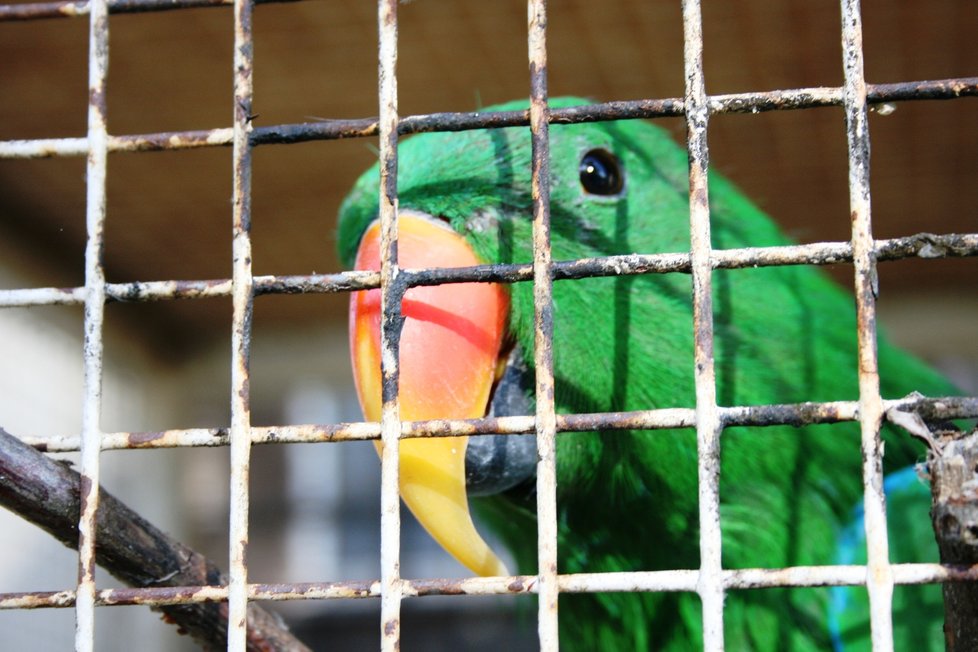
(601, 173)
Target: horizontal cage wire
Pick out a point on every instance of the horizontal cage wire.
(881, 95)
(856, 97)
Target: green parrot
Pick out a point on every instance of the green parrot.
(627, 501)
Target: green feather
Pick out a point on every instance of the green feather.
(628, 500)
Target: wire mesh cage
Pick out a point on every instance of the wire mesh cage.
(695, 110)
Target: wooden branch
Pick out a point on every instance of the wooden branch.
(45, 492)
(952, 461)
(954, 511)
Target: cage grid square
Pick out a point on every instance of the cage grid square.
(711, 581)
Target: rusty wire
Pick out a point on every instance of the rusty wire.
(921, 245)
(543, 330)
(666, 581)
(69, 8)
(757, 102)
(242, 293)
(793, 414)
(879, 576)
(856, 97)
(391, 294)
(95, 204)
(709, 585)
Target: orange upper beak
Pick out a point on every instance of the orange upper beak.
(449, 347)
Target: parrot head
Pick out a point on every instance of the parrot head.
(465, 199)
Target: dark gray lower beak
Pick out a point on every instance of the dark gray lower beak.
(495, 463)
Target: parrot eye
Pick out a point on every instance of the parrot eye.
(601, 173)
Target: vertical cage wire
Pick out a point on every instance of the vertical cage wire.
(879, 577)
(546, 429)
(391, 292)
(242, 291)
(708, 427)
(96, 170)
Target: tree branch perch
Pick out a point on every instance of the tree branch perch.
(45, 492)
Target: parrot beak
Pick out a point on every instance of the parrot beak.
(449, 348)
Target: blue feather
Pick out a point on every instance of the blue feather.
(911, 540)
